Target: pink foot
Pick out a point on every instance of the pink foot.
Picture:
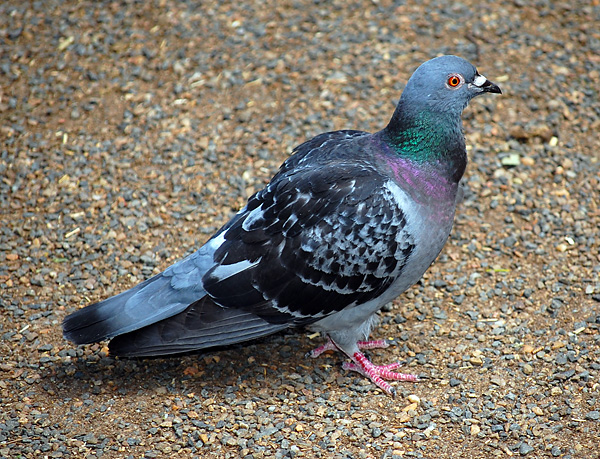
(361, 364)
(328, 346)
(378, 373)
(375, 344)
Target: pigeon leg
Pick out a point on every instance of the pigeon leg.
(330, 346)
(377, 373)
(375, 344)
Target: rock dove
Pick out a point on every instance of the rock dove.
(349, 222)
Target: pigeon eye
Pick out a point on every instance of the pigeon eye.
(454, 81)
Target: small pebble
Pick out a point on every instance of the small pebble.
(525, 449)
(527, 369)
(593, 415)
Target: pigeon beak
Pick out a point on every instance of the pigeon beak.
(485, 85)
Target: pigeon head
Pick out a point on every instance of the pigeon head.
(426, 125)
(445, 84)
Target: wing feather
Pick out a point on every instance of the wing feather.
(318, 240)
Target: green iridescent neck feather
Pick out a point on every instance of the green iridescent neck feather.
(428, 138)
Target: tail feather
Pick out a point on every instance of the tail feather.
(155, 299)
(149, 302)
(167, 314)
(202, 325)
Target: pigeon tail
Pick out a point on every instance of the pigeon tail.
(149, 302)
(155, 299)
(201, 325)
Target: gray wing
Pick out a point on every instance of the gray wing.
(313, 242)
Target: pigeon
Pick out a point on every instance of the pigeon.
(350, 221)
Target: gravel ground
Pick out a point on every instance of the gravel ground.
(130, 131)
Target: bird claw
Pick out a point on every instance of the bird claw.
(351, 366)
(328, 346)
(378, 374)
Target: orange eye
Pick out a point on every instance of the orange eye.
(453, 81)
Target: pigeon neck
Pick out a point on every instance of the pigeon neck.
(435, 139)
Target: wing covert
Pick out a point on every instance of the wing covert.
(313, 242)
